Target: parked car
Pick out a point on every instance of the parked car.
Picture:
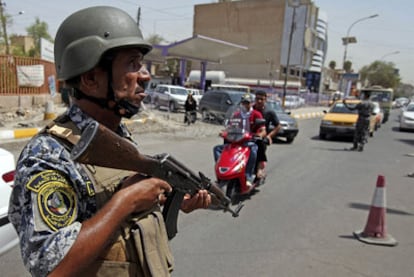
(215, 104)
(400, 102)
(379, 115)
(8, 236)
(172, 97)
(149, 96)
(341, 121)
(289, 125)
(292, 102)
(407, 117)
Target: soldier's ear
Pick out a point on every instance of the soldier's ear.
(91, 80)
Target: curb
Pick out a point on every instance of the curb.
(19, 133)
(30, 132)
(308, 115)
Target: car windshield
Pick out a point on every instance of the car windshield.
(179, 91)
(275, 106)
(341, 108)
(410, 108)
(235, 97)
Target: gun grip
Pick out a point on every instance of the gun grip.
(170, 212)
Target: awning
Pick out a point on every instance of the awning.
(198, 47)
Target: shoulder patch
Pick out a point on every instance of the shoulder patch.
(56, 199)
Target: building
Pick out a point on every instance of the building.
(264, 26)
(25, 43)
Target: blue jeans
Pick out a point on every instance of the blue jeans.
(251, 162)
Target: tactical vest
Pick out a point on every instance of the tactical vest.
(140, 247)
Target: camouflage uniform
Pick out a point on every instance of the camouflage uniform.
(51, 198)
(364, 108)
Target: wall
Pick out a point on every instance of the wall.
(257, 24)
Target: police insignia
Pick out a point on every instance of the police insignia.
(56, 199)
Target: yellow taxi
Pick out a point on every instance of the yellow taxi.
(339, 121)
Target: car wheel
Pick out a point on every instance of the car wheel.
(171, 107)
(322, 136)
(290, 139)
(156, 103)
(204, 115)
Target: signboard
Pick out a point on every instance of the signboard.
(30, 75)
(47, 52)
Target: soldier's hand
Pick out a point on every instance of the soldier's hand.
(142, 193)
(201, 200)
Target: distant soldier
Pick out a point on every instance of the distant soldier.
(365, 108)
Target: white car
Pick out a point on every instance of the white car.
(172, 97)
(407, 117)
(292, 102)
(8, 236)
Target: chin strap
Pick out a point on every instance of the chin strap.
(76, 93)
(128, 108)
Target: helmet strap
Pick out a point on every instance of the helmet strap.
(76, 93)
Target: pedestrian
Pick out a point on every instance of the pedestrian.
(365, 109)
(190, 107)
(78, 220)
(272, 128)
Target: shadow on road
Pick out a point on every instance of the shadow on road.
(362, 206)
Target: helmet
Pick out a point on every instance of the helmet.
(86, 35)
(246, 98)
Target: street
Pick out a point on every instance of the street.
(301, 222)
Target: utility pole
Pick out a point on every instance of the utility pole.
(3, 19)
(139, 16)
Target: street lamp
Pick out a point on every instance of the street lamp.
(389, 54)
(346, 40)
(294, 4)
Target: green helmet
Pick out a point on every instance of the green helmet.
(86, 35)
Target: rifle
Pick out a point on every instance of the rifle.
(102, 147)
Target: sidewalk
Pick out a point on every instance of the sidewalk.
(11, 130)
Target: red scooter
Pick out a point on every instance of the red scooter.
(230, 167)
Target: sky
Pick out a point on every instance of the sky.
(388, 37)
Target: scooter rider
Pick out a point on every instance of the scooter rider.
(271, 119)
(247, 111)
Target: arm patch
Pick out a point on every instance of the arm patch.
(56, 199)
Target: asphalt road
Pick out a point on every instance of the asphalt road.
(302, 220)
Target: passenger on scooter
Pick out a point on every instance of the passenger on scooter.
(271, 119)
(247, 111)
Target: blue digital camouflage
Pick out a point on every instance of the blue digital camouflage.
(51, 198)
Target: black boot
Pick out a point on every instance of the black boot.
(361, 148)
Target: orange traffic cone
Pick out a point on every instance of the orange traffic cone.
(375, 231)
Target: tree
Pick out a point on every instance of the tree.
(38, 30)
(332, 65)
(380, 73)
(348, 66)
(155, 39)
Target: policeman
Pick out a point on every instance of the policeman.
(78, 220)
(365, 109)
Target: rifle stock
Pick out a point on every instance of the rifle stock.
(101, 147)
